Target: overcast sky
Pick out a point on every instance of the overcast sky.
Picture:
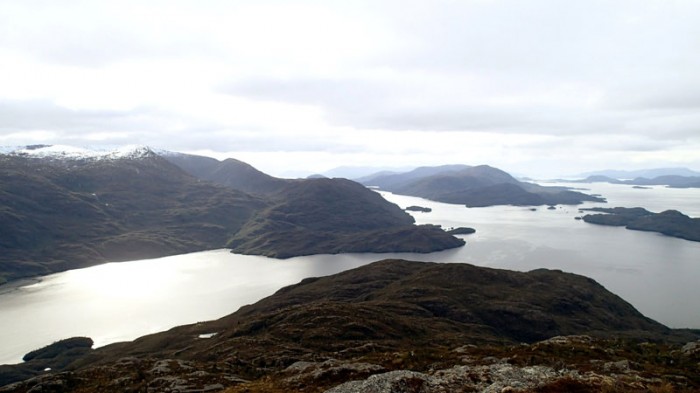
(540, 88)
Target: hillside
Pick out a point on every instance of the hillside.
(322, 216)
(481, 327)
(315, 215)
(60, 212)
(477, 186)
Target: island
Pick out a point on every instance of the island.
(461, 231)
(670, 222)
(418, 209)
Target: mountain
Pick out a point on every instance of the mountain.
(68, 208)
(646, 173)
(383, 319)
(59, 213)
(475, 187)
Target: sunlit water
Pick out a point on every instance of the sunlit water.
(121, 301)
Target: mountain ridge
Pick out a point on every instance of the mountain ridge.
(61, 211)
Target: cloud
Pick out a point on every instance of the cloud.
(408, 81)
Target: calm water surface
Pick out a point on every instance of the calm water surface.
(121, 301)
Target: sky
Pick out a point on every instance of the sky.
(538, 88)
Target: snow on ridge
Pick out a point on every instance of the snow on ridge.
(66, 152)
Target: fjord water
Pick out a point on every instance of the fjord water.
(121, 301)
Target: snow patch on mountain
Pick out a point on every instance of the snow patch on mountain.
(64, 152)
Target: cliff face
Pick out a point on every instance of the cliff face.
(450, 324)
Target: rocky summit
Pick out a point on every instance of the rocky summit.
(395, 326)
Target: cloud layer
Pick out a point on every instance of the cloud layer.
(537, 86)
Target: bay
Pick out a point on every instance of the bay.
(122, 301)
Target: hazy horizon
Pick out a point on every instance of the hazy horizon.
(540, 88)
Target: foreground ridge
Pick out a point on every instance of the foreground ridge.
(397, 326)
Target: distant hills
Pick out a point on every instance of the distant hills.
(673, 181)
(384, 319)
(63, 209)
(646, 173)
(671, 177)
(475, 186)
(357, 172)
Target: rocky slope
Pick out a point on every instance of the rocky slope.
(456, 327)
(477, 186)
(670, 222)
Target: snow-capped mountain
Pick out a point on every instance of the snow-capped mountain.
(61, 152)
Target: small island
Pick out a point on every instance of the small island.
(421, 209)
(670, 222)
(461, 231)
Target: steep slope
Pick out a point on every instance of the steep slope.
(389, 315)
(61, 214)
(316, 216)
(477, 187)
